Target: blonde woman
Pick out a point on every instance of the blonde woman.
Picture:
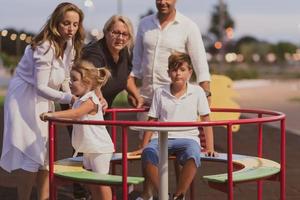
(42, 71)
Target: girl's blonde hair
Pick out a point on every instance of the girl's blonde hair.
(50, 31)
(96, 77)
(125, 20)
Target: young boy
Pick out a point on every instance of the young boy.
(179, 101)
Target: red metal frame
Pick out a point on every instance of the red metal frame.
(52, 186)
(264, 116)
(259, 154)
(229, 161)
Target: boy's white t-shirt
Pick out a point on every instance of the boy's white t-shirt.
(167, 108)
(91, 138)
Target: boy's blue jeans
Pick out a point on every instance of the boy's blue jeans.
(183, 149)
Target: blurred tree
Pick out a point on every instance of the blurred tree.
(13, 45)
(254, 51)
(244, 40)
(220, 15)
(9, 61)
(221, 28)
(280, 49)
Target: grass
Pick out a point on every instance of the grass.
(2, 100)
(295, 99)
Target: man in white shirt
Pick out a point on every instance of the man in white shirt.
(157, 37)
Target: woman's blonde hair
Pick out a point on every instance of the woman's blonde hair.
(96, 77)
(50, 31)
(125, 20)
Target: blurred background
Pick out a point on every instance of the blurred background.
(249, 40)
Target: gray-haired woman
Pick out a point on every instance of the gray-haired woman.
(114, 52)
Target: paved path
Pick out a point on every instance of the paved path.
(272, 95)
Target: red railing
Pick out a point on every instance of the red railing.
(263, 116)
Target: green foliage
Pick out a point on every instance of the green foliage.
(288, 74)
(283, 47)
(15, 47)
(9, 61)
(295, 99)
(2, 100)
(238, 73)
(121, 100)
(245, 39)
(295, 75)
(250, 48)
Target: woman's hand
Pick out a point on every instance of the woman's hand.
(136, 102)
(74, 98)
(44, 116)
(140, 102)
(101, 99)
(103, 103)
(209, 100)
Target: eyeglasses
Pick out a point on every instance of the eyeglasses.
(116, 34)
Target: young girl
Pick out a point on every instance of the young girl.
(92, 140)
(42, 71)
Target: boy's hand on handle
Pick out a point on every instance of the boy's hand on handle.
(136, 152)
(211, 153)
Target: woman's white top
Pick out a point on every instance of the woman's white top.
(38, 78)
(91, 138)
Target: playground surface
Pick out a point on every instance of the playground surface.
(279, 95)
(244, 142)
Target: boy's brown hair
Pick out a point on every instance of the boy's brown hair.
(176, 59)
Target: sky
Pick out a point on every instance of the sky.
(269, 20)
